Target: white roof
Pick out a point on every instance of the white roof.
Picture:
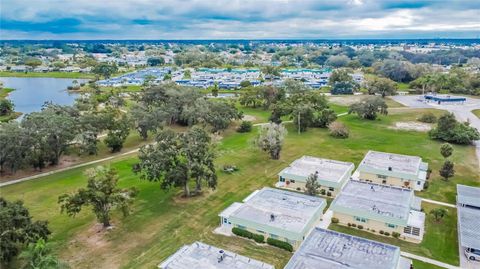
(469, 226)
(202, 256)
(329, 170)
(392, 162)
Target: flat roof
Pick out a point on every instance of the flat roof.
(467, 195)
(329, 170)
(374, 201)
(291, 211)
(200, 255)
(326, 249)
(469, 226)
(392, 162)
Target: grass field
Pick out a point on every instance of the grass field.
(46, 74)
(439, 242)
(4, 92)
(162, 221)
(476, 112)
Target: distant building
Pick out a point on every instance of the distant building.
(332, 175)
(380, 209)
(393, 170)
(279, 214)
(325, 249)
(468, 207)
(203, 256)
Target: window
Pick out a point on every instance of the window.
(360, 219)
(225, 220)
(391, 225)
(331, 189)
(282, 179)
(293, 180)
(384, 181)
(418, 183)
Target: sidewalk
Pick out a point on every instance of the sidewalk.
(427, 260)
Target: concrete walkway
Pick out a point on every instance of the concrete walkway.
(67, 168)
(427, 260)
(438, 203)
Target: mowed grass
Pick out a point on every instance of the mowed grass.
(439, 241)
(161, 221)
(476, 112)
(46, 74)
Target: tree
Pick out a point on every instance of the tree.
(175, 159)
(270, 139)
(155, 61)
(312, 186)
(17, 229)
(383, 86)
(33, 62)
(147, 119)
(39, 255)
(14, 146)
(447, 170)
(342, 82)
(102, 194)
(215, 90)
(323, 118)
(337, 61)
(446, 150)
(438, 213)
(338, 130)
(245, 127)
(369, 107)
(399, 71)
(104, 69)
(302, 116)
(6, 107)
(450, 130)
(117, 134)
(245, 84)
(271, 71)
(340, 75)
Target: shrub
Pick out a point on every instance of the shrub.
(381, 232)
(372, 231)
(244, 233)
(338, 130)
(428, 118)
(245, 127)
(335, 220)
(387, 234)
(329, 194)
(425, 185)
(299, 189)
(354, 225)
(395, 234)
(360, 227)
(280, 244)
(349, 224)
(322, 192)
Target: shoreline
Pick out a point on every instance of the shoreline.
(72, 75)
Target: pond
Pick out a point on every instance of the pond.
(31, 93)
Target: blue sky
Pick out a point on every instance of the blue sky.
(238, 19)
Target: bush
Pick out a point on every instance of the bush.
(280, 244)
(244, 233)
(349, 224)
(448, 129)
(425, 185)
(387, 234)
(428, 118)
(354, 225)
(360, 227)
(329, 194)
(322, 192)
(395, 234)
(245, 127)
(382, 232)
(335, 220)
(372, 231)
(338, 130)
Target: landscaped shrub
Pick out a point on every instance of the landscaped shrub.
(428, 118)
(395, 234)
(360, 227)
(244, 233)
(425, 185)
(298, 189)
(382, 232)
(354, 225)
(372, 231)
(245, 127)
(279, 244)
(329, 194)
(322, 192)
(334, 220)
(349, 224)
(387, 234)
(338, 130)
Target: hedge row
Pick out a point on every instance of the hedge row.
(279, 244)
(244, 233)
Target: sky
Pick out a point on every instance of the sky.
(238, 19)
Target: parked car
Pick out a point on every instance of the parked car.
(472, 254)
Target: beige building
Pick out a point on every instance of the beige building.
(332, 175)
(380, 209)
(393, 169)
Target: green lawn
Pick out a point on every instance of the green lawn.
(4, 92)
(439, 242)
(47, 74)
(423, 265)
(403, 86)
(162, 221)
(476, 112)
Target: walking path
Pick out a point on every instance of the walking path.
(438, 203)
(427, 260)
(67, 168)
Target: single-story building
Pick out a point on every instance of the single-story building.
(332, 175)
(393, 169)
(468, 210)
(325, 249)
(279, 214)
(376, 208)
(200, 255)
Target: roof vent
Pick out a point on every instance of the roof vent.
(221, 255)
(272, 217)
(389, 168)
(371, 187)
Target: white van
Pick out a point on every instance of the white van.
(472, 254)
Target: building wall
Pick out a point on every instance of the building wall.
(393, 181)
(378, 226)
(294, 243)
(300, 186)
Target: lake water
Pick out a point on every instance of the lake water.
(31, 93)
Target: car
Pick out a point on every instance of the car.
(472, 254)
